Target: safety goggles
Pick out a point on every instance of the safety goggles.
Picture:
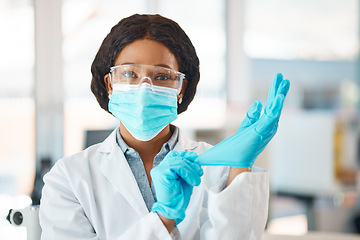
(131, 76)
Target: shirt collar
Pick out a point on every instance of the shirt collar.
(169, 145)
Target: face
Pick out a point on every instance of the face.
(148, 52)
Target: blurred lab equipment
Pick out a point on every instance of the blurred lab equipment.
(308, 160)
(311, 150)
(312, 236)
(27, 217)
(45, 165)
(95, 136)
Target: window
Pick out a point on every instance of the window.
(17, 128)
(298, 29)
(17, 155)
(314, 43)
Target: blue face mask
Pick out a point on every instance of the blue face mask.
(144, 111)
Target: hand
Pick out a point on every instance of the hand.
(254, 133)
(174, 179)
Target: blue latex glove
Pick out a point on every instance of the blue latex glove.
(254, 133)
(174, 179)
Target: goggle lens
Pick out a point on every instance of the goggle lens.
(136, 74)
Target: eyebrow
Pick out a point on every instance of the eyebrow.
(157, 65)
(163, 65)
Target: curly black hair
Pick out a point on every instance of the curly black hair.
(157, 28)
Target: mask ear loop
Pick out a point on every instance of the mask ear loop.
(111, 83)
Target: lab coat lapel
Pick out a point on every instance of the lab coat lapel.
(185, 143)
(116, 169)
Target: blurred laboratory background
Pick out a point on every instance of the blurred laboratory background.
(47, 110)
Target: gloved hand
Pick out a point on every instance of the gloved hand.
(254, 133)
(174, 179)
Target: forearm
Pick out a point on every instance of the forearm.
(234, 172)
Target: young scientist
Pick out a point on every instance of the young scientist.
(148, 180)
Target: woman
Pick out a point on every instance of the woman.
(147, 180)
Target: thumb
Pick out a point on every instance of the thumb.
(252, 115)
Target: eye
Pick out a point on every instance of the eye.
(163, 77)
(129, 74)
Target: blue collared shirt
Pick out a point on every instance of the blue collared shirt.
(137, 167)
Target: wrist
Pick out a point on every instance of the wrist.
(168, 223)
(234, 172)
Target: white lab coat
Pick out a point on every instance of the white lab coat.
(94, 195)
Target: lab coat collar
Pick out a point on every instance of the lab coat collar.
(109, 144)
(117, 170)
(184, 143)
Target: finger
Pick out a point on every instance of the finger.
(173, 160)
(189, 172)
(188, 155)
(172, 153)
(164, 167)
(284, 87)
(282, 90)
(269, 120)
(172, 169)
(184, 154)
(196, 167)
(276, 108)
(274, 88)
(252, 115)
